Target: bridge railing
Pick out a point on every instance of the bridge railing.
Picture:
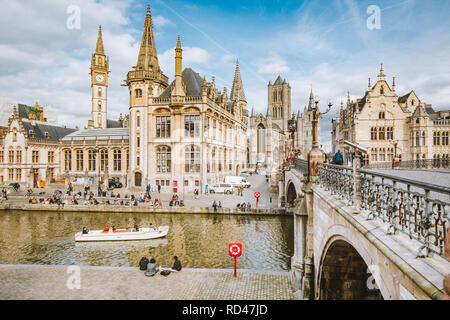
(301, 165)
(437, 163)
(418, 209)
(338, 180)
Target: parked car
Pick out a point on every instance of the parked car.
(237, 181)
(115, 184)
(222, 188)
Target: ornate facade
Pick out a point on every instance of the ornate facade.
(390, 125)
(187, 134)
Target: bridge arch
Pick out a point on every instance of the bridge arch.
(291, 194)
(347, 272)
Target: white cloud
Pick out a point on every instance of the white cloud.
(160, 21)
(273, 65)
(192, 57)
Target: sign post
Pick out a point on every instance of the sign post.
(235, 250)
(257, 195)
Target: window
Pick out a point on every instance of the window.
(68, 160)
(18, 174)
(14, 136)
(445, 140)
(80, 160)
(11, 174)
(192, 159)
(51, 173)
(117, 160)
(103, 160)
(192, 126)
(99, 106)
(138, 119)
(138, 96)
(381, 133)
(35, 156)
(11, 156)
(390, 133)
(423, 138)
(373, 133)
(51, 157)
(99, 91)
(186, 183)
(19, 156)
(390, 154)
(373, 155)
(417, 139)
(137, 161)
(382, 90)
(91, 160)
(381, 115)
(163, 159)
(438, 138)
(382, 154)
(163, 127)
(1, 156)
(138, 142)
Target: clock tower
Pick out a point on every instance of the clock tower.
(99, 84)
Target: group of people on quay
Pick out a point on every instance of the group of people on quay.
(151, 268)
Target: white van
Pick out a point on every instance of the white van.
(222, 188)
(237, 181)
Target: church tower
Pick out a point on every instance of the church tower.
(279, 99)
(144, 82)
(99, 84)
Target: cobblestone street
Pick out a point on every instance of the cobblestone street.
(30, 282)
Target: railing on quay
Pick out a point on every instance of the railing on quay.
(418, 209)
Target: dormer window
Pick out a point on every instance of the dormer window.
(412, 102)
(47, 135)
(382, 90)
(381, 115)
(31, 133)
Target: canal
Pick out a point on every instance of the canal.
(199, 240)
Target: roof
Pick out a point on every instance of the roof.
(99, 134)
(192, 82)
(113, 124)
(278, 81)
(40, 129)
(404, 98)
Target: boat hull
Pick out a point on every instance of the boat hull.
(142, 234)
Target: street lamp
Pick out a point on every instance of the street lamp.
(394, 142)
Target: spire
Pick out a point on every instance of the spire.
(99, 48)
(370, 87)
(393, 83)
(237, 90)
(253, 111)
(178, 89)
(311, 100)
(381, 75)
(148, 58)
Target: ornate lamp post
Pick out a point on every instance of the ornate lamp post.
(315, 156)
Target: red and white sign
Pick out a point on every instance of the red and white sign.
(235, 250)
(257, 195)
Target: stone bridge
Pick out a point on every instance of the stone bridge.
(383, 241)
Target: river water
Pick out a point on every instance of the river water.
(199, 240)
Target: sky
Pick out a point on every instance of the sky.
(332, 45)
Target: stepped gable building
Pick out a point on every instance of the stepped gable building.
(277, 134)
(187, 134)
(390, 125)
(30, 147)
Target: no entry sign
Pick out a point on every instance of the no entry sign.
(235, 250)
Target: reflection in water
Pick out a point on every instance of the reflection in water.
(200, 241)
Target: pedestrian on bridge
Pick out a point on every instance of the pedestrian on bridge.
(338, 158)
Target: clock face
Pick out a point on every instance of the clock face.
(99, 78)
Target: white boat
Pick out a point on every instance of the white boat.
(123, 234)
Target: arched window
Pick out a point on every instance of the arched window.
(80, 160)
(68, 160)
(91, 160)
(99, 104)
(382, 90)
(103, 160)
(99, 91)
(417, 138)
(14, 136)
(261, 143)
(423, 138)
(192, 158)
(381, 115)
(138, 96)
(117, 165)
(163, 159)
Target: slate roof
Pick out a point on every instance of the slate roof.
(192, 83)
(113, 124)
(278, 81)
(40, 129)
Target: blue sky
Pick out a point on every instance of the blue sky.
(323, 43)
